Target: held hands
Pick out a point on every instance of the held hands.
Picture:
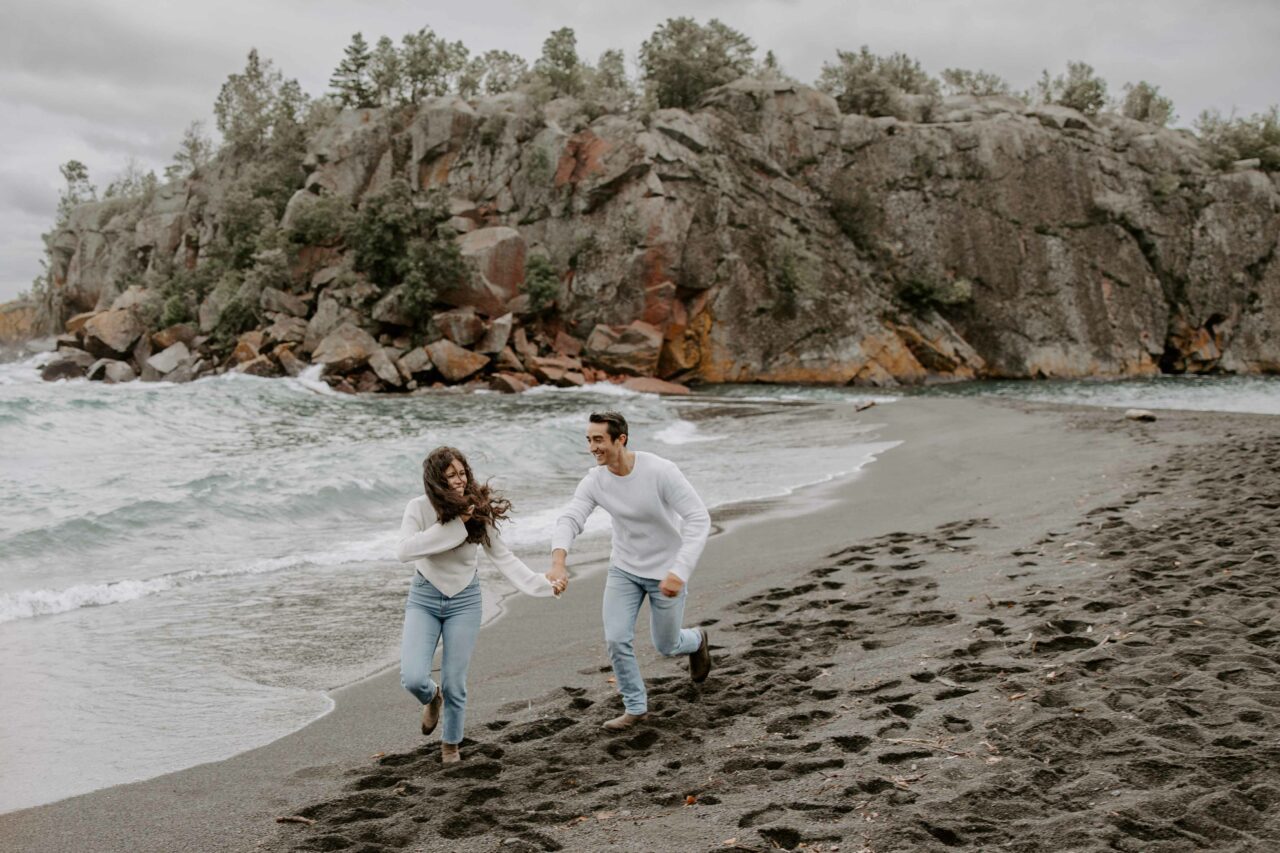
(558, 584)
(558, 576)
(671, 585)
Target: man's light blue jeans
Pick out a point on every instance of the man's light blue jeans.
(430, 616)
(623, 595)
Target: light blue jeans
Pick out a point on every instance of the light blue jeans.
(623, 595)
(430, 616)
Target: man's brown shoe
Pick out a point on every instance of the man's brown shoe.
(449, 753)
(626, 721)
(431, 712)
(700, 661)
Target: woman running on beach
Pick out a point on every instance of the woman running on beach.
(442, 533)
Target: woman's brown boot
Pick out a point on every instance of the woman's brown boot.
(449, 753)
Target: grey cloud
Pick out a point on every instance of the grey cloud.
(108, 41)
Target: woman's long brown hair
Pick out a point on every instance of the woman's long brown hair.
(490, 507)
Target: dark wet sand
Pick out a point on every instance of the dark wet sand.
(1026, 628)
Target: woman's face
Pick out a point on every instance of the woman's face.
(456, 476)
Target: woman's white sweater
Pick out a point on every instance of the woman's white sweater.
(442, 554)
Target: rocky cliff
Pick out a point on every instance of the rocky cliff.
(763, 237)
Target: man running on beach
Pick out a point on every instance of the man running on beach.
(660, 526)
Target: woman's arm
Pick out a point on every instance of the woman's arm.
(513, 568)
(415, 542)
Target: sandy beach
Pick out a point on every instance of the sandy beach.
(1027, 627)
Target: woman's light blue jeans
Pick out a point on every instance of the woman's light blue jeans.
(623, 595)
(430, 616)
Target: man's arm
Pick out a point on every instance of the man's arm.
(695, 527)
(570, 523)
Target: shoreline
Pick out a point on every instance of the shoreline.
(1012, 447)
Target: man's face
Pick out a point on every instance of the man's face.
(602, 447)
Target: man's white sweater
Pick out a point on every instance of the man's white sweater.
(660, 524)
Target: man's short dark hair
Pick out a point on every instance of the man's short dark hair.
(616, 423)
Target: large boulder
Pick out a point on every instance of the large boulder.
(460, 325)
(345, 349)
(168, 359)
(496, 257)
(415, 361)
(557, 370)
(630, 349)
(287, 330)
(260, 365)
(495, 339)
(454, 362)
(390, 308)
(75, 323)
(279, 302)
(384, 367)
(112, 334)
(70, 364)
(330, 314)
(171, 335)
(111, 371)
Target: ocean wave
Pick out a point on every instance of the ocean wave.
(607, 389)
(27, 604)
(683, 432)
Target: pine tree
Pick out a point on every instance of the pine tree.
(386, 72)
(559, 64)
(350, 81)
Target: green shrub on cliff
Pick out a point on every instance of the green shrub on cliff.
(431, 266)
(1232, 139)
(184, 289)
(1080, 89)
(921, 296)
(238, 316)
(1143, 102)
(794, 274)
(384, 227)
(856, 213)
(323, 222)
(683, 59)
(246, 223)
(961, 81)
(872, 85)
(541, 283)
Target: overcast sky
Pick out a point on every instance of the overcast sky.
(108, 80)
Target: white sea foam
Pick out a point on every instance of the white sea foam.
(310, 379)
(26, 604)
(608, 389)
(683, 432)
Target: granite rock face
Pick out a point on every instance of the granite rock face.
(766, 236)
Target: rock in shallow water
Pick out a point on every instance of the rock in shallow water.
(71, 364)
